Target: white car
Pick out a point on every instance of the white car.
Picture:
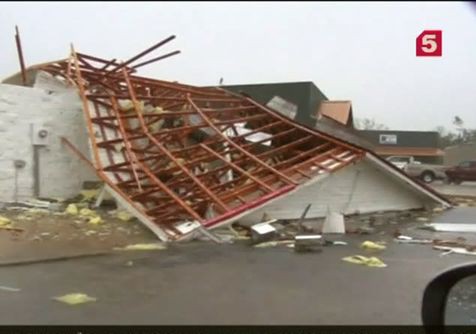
(401, 161)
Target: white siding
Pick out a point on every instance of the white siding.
(363, 187)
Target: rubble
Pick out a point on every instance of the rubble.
(372, 245)
(263, 231)
(75, 298)
(175, 155)
(450, 227)
(4, 221)
(308, 243)
(334, 223)
(7, 288)
(72, 209)
(367, 261)
(151, 246)
(409, 240)
(273, 243)
(168, 147)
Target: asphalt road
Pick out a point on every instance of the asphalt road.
(464, 189)
(201, 283)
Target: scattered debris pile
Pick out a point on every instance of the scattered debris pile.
(184, 159)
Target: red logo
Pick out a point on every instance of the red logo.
(429, 43)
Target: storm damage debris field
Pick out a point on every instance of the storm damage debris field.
(183, 158)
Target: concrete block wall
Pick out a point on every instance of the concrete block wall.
(58, 108)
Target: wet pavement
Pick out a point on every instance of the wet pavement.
(464, 189)
(203, 283)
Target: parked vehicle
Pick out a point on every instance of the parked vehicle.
(426, 172)
(401, 161)
(465, 171)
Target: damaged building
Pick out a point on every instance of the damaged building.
(181, 157)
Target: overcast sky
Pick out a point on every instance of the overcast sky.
(364, 52)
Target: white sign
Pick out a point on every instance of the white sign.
(388, 139)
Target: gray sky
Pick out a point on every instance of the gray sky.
(364, 52)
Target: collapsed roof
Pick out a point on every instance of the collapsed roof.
(175, 154)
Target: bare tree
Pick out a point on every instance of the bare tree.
(369, 124)
(463, 134)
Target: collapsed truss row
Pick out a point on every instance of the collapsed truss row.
(181, 153)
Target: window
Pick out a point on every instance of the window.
(465, 164)
(388, 139)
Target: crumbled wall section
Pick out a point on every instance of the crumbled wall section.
(57, 108)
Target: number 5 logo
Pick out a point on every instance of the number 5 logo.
(429, 44)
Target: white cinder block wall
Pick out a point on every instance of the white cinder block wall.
(359, 188)
(57, 108)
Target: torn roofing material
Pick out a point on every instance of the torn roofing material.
(340, 111)
(174, 154)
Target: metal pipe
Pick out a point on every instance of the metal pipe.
(20, 56)
(143, 53)
(157, 59)
(36, 171)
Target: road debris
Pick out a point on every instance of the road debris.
(89, 195)
(308, 243)
(455, 250)
(124, 216)
(95, 220)
(336, 243)
(334, 223)
(151, 246)
(367, 261)
(7, 288)
(363, 230)
(373, 245)
(450, 227)
(268, 244)
(75, 298)
(263, 231)
(72, 209)
(4, 221)
(438, 209)
(403, 239)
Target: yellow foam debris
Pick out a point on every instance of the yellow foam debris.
(4, 221)
(273, 243)
(152, 246)
(124, 216)
(75, 298)
(366, 261)
(372, 245)
(89, 194)
(72, 209)
(128, 106)
(95, 220)
(159, 110)
(85, 212)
